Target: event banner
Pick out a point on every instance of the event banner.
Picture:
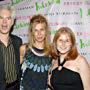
(71, 13)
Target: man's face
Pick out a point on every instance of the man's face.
(6, 21)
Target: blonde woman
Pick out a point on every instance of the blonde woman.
(35, 57)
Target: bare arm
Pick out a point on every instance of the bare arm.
(54, 65)
(84, 70)
(22, 52)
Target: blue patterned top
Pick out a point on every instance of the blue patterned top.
(35, 70)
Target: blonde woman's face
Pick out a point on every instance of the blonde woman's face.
(39, 32)
(64, 43)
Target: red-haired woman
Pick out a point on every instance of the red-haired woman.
(70, 70)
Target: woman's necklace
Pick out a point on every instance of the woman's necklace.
(37, 52)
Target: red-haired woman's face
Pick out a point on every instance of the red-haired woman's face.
(64, 43)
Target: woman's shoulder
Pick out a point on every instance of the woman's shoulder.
(82, 62)
(23, 49)
(81, 59)
(23, 46)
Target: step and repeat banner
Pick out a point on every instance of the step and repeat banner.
(72, 13)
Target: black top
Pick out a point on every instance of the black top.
(35, 70)
(65, 79)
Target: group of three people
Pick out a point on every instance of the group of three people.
(44, 66)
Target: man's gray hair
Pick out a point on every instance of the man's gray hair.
(10, 8)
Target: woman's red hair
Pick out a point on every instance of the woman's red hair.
(73, 53)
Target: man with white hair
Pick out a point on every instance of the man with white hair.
(9, 51)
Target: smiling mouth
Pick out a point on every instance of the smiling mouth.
(63, 48)
(39, 37)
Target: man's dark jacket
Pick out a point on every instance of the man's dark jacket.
(16, 41)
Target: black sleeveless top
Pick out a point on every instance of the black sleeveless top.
(35, 70)
(65, 79)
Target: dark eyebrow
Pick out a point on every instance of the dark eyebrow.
(6, 17)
